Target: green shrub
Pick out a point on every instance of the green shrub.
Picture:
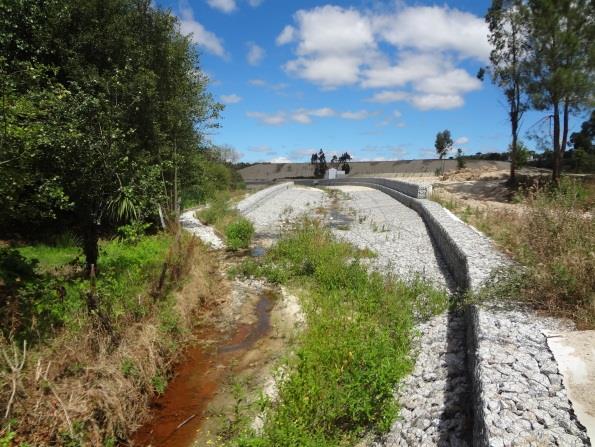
(133, 232)
(238, 233)
(30, 304)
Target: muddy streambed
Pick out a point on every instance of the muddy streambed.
(240, 345)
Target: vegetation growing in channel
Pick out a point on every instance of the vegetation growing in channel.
(552, 235)
(220, 213)
(355, 346)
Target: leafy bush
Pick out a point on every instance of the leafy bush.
(238, 234)
(354, 349)
(133, 232)
(29, 302)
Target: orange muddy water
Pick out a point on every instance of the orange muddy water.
(178, 414)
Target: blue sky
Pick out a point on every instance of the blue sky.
(374, 78)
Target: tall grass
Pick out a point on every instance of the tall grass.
(354, 350)
(552, 235)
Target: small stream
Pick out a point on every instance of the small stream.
(178, 414)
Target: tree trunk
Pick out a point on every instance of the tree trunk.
(91, 245)
(566, 113)
(514, 121)
(557, 159)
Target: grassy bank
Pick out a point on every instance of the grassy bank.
(354, 350)
(87, 377)
(552, 234)
(227, 221)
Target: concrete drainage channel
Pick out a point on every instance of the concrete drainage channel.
(514, 384)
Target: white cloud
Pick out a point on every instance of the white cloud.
(436, 28)
(302, 155)
(230, 99)
(274, 119)
(322, 112)
(225, 6)
(410, 67)
(255, 54)
(255, 3)
(441, 102)
(304, 116)
(336, 46)
(257, 82)
(301, 117)
(386, 96)
(455, 80)
(333, 43)
(262, 83)
(461, 141)
(286, 36)
(397, 114)
(358, 115)
(200, 36)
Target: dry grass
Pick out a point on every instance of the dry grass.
(93, 387)
(552, 234)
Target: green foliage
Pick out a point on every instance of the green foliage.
(354, 349)
(238, 234)
(133, 232)
(159, 384)
(521, 155)
(460, 159)
(30, 304)
(40, 301)
(443, 143)
(104, 110)
(562, 62)
(217, 208)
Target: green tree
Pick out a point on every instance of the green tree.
(561, 36)
(508, 68)
(460, 159)
(319, 162)
(583, 143)
(443, 145)
(104, 108)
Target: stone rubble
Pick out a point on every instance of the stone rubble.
(519, 390)
(271, 215)
(205, 233)
(396, 233)
(498, 384)
(434, 399)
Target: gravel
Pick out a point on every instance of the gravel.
(395, 232)
(501, 370)
(434, 399)
(203, 232)
(519, 391)
(272, 214)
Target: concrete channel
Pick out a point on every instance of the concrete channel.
(485, 375)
